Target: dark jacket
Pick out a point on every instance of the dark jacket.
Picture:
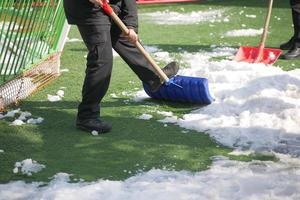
(83, 12)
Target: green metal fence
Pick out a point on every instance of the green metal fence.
(30, 31)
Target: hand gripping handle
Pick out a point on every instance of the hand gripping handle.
(109, 11)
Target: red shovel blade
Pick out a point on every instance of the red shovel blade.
(253, 55)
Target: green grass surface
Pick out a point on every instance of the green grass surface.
(133, 145)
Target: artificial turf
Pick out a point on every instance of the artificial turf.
(134, 145)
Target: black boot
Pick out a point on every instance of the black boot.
(170, 70)
(90, 125)
(292, 53)
(288, 45)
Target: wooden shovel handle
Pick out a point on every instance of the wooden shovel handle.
(108, 10)
(267, 22)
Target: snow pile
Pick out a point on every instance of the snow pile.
(58, 97)
(226, 179)
(28, 166)
(1, 151)
(244, 32)
(21, 117)
(169, 17)
(257, 106)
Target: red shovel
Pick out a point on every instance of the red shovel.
(260, 54)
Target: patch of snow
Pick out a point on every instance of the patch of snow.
(35, 121)
(226, 179)
(73, 40)
(58, 97)
(140, 96)
(94, 133)
(1, 151)
(28, 166)
(24, 115)
(113, 95)
(145, 116)
(162, 56)
(256, 107)
(166, 114)
(244, 32)
(53, 98)
(12, 113)
(168, 17)
(64, 70)
(250, 16)
(60, 93)
(17, 122)
(152, 49)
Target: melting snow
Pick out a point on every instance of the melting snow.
(168, 17)
(225, 179)
(257, 107)
(58, 97)
(251, 16)
(23, 118)
(28, 166)
(145, 116)
(244, 32)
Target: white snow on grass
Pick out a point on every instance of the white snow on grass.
(1, 151)
(244, 32)
(256, 106)
(17, 122)
(28, 166)
(69, 40)
(225, 179)
(64, 70)
(57, 97)
(95, 133)
(20, 117)
(169, 17)
(250, 16)
(145, 116)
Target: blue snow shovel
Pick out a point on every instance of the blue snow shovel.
(178, 88)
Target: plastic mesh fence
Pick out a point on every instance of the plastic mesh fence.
(30, 32)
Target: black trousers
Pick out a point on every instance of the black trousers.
(99, 40)
(295, 5)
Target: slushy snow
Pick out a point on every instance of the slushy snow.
(145, 116)
(27, 166)
(244, 32)
(57, 97)
(21, 118)
(256, 106)
(225, 179)
(169, 17)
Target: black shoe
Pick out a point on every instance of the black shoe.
(90, 125)
(170, 70)
(288, 45)
(292, 53)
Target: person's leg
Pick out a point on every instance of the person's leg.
(137, 62)
(295, 5)
(97, 74)
(294, 43)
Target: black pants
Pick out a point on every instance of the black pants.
(295, 5)
(100, 39)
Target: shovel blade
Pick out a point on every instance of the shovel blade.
(254, 55)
